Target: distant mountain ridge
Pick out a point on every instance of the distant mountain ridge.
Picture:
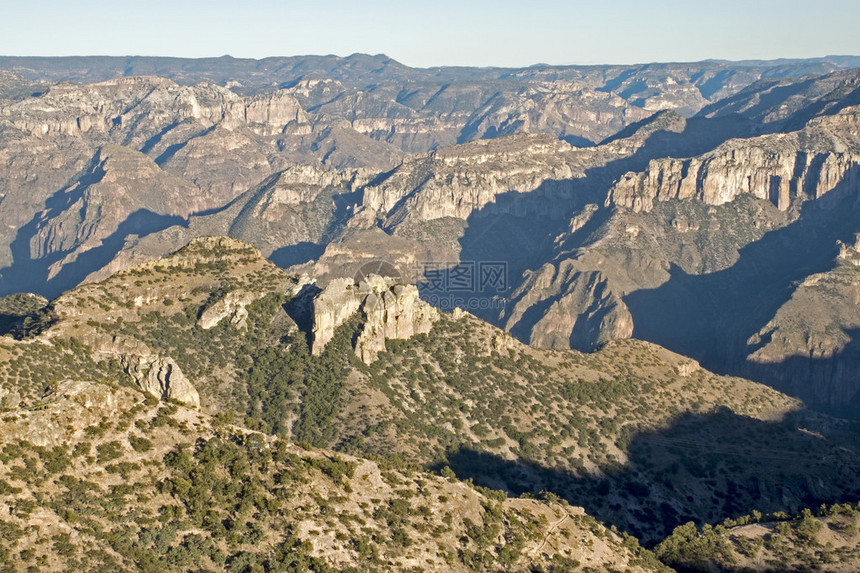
(355, 67)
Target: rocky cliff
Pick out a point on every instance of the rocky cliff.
(106, 196)
(779, 168)
(459, 181)
(138, 106)
(810, 346)
(161, 377)
(157, 375)
(579, 309)
(232, 305)
(389, 311)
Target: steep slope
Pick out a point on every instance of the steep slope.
(84, 224)
(809, 347)
(787, 104)
(290, 216)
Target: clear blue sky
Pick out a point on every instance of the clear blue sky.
(437, 32)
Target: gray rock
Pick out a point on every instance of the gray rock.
(391, 311)
(161, 377)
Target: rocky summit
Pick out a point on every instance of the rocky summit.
(325, 313)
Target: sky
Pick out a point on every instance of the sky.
(438, 32)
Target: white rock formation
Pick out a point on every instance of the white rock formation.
(232, 306)
(161, 377)
(720, 177)
(391, 311)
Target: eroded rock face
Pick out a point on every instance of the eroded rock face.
(581, 309)
(161, 377)
(332, 307)
(154, 374)
(233, 306)
(132, 102)
(106, 197)
(459, 181)
(779, 169)
(390, 311)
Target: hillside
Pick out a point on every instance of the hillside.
(824, 540)
(641, 437)
(127, 483)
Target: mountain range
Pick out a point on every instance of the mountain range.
(621, 286)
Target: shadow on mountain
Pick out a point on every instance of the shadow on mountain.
(711, 317)
(828, 94)
(173, 149)
(703, 468)
(578, 141)
(521, 228)
(830, 384)
(32, 275)
(300, 309)
(510, 235)
(297, 254)
(700, 135)
(768, 95)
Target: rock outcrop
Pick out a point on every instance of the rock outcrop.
(232, 305)
(337, 302)
(390, 311)
(849, 253)
(161, 377)
(780, 168)
(157, 375)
